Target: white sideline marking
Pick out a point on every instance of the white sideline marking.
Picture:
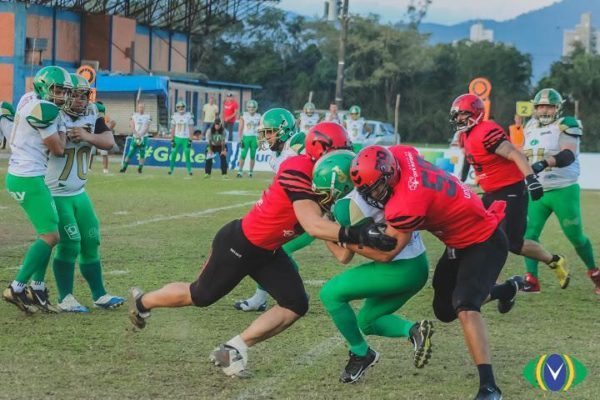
(117, 272)
(240, 193)
(121, 212)
(196, 214)
(263, 388)
(315, 282)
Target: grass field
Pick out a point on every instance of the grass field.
(158, 228)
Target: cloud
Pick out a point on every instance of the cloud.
(440, 11)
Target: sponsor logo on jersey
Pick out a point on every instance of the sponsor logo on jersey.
(555, 372)
(72, 231)
(534, 142)
(18, 196)
(545, 133)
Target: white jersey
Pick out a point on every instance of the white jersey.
(251, 122)
(67, 175)
(182, 123)
(141, 123)
(359, 209)
(6, 126)
(35, 120)
(292, 147)
(542, 141)
(356, 129)
(333, 118)
(307, 122)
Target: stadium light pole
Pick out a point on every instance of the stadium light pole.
(339, 82)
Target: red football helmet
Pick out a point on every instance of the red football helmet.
(467, 111)
(375, 172)
(325, 137)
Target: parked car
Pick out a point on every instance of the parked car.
(382, 133)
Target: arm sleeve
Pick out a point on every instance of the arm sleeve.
(493, 139)
(296, 184)
(101, 126)
(407, 223)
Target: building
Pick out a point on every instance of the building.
(479, 34)
(584, 33)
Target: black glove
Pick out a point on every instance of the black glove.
(173, 143)
(371, 235)
(539, 166)
(536, 190)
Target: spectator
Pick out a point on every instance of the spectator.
(209, 113)
(197, 134)
(332, 115)
(517, 136)
(111, 124)
(230, 113)
(216, 137)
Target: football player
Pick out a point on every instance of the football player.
(7, 116)
(552, 145)
(308, 117)
(139, 124)
(503, 173)
(385, 285)
(79, 226)
(355, 125)
(248, 133)
(416, 195)
(252, 247)
(182, 131)
(37, 131)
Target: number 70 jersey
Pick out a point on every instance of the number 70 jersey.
(67, 175)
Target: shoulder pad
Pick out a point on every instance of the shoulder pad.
(92, 109)
(42, 115)
(347, 213)
(570, 126)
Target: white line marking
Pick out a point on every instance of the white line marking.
(121, 212)
(240, 193)
(117, 272)
(315, 282)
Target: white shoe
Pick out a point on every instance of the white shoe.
(108, 301)
(105, 171)
(232, 362)
(70, 304)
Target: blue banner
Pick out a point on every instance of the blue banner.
(158, 153)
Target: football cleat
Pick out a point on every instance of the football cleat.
(70, 304)
(489, 393)
(531, 284)
(505, 305)
(560, 270)
(122, 170)
(420, 335)
(245, 305)
(230, 360)
(108, 301)
(40, 299)
(239, 175)
(19, 299)
(249, 174)
(140, 169)
(137, 318)
(357, 366)
(594, 275)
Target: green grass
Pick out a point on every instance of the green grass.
(157, 229)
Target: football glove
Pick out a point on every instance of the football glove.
(539, 166)
(535, 188)
(370, 235)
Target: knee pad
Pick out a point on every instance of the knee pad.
(461, 304)
(299, 305)
(444, 313)
(515, 246)
(201, 295)
(67, 250)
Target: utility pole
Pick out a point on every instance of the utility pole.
(339, 82)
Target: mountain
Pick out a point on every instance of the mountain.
(539, 32)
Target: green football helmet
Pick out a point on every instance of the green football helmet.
(251, 106)
(354, 112)
(7, 110)
(331, 177)
(53, 84)
(79, 96)
(309, 109)
(276, 126)
(548, 97)
(179, 104)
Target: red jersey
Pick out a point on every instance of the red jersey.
(493, 171)
(428, 198)
(272, 221)
(230, 108)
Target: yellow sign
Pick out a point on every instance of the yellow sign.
(88, 73)
(524, 108)
(480, 87)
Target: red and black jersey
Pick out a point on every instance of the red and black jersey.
(428, 198)
(493, 171)
(272, 221)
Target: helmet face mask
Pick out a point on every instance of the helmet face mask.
(53, 84)
(547, 105)
(374, 173)
(251, 106)
(309, 109)
(276, 126)
(354, 112)
(467, 111)
(79, 96)
(331, 177)
(325, 137)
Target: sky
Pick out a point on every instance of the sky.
(447, 12)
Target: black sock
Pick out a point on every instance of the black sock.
(140, 306)
(486, 376)
(506, 290)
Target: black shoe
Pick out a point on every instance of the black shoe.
(19, 299)
(505, 305)
(40, 299)
(420, 335)
(122, 170)
(489, 393)
(140, 169)
(357, 366)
